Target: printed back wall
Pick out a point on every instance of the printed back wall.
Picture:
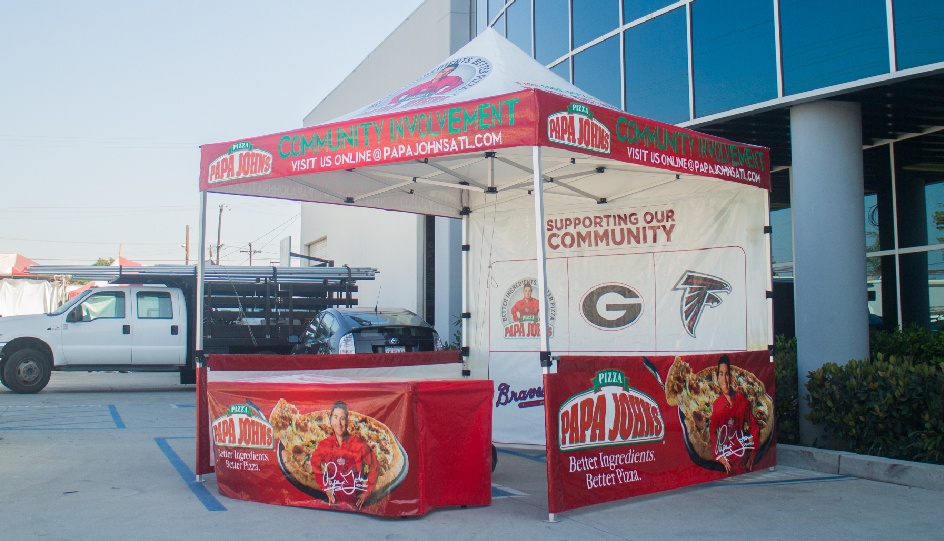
(665, 273)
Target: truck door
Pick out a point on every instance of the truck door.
(158, 334)
(97, 331)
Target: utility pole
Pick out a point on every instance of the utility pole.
(251, 251)
(219, 229)
(187, 247)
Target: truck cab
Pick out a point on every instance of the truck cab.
(141, 328)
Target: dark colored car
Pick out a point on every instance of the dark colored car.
(367, 330)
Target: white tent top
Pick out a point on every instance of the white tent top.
(460, 137)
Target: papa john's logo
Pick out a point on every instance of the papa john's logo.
(243, 425)
(698, 291)
(576, 127)
(617, 415)
(436, 85)
(520, 310)
(240, 161)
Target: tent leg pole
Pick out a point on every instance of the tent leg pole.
(202, 464)
(464, 322)
(541, 256)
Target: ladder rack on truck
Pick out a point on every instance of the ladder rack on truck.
(246, 309)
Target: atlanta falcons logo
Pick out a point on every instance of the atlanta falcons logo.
(699, 290)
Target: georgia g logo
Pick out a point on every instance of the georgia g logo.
(621, 307)
(699, 290)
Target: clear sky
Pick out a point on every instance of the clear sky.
(104, 104)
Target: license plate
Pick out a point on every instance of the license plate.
(395, 349)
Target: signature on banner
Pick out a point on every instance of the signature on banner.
(348, 483)
(736, 444)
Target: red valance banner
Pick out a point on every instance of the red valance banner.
(396, 448)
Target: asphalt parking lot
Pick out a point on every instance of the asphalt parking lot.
(110, 456)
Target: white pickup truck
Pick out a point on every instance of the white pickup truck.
(140, 328)
(152, 327)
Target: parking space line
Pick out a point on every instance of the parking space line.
(115, 417)
(500, 492)
(199, 489)
(536, 457)
(76, 417)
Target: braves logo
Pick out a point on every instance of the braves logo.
(699, 290)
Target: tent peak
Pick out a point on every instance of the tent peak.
(489, 65)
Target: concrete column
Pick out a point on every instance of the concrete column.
(828, 240)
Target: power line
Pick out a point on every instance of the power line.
(79, 242)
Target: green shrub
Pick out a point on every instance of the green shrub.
(786, 403)
(885, 406)
(913, 342)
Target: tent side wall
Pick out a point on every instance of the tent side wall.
(623, 279)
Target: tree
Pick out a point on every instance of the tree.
(938, 218)
(102, 262)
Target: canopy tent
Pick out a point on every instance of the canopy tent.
(492, 137)
(464, 132)
(14, 265)
(487, 128)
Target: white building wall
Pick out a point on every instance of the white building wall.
(389, 241)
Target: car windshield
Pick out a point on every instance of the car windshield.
(375, 319)
(72, 302)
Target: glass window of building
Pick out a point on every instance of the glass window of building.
(481, 16)
(919, 192)
(634, 9)
(934, 206)
(551, 31)
(563, 70)
(919, 283)
(597, 71)
(781, 223)
(499, 26)
(872, 243)
(657, 84)
(876, 299)
(734, 56)
(593, 18)
(781, 241)
(918, 25)
(518, 24)
(936, 289)
(920, 210)
(876, 164)
(494, 7)
(820, 50)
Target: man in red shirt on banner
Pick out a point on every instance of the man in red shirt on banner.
(344, 464)
(441, 82)
(734, 430)
(526, 309)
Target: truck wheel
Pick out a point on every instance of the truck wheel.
(26, 371)
(494, 457)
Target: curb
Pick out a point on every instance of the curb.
(875, 468)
